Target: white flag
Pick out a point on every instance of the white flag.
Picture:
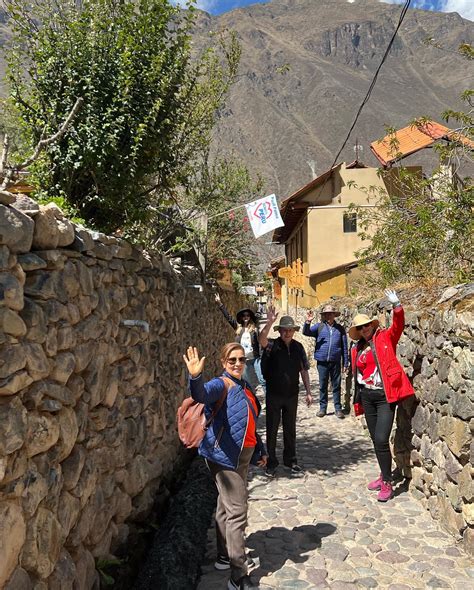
(264, 215)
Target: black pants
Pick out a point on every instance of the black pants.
(379, 415)
(284, 408)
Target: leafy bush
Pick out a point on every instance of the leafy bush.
(149, 106)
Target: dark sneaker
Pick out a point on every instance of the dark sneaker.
(321, 414)
(295, 468)
(270, 472)
(340, 414)
(244, 583)
(223, 563)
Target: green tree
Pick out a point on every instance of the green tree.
(207, 215)
(149, 103)
(421, 228)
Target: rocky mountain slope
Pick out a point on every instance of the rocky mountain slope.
(306, 67)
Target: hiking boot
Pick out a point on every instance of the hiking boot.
(243, 583)
(376, 484)
(386, 491)
(223, 563)
(340, 414)
(321, 413)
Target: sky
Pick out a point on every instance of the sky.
(464, 7)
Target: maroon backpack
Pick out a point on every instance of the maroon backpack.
(191, 420)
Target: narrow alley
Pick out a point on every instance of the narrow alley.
(324, 529)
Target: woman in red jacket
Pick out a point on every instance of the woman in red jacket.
(380, 383)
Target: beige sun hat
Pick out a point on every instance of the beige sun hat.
(330, 309)
(359, 320)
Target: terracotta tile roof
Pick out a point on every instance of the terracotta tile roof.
(413, 138)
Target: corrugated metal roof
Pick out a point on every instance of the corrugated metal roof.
(413, 138)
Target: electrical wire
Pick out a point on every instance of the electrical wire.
(369, 91)
(374, 80)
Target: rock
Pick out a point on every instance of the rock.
(456, 433)
(35, 322)
(11, 323)
(451, 519)
(13, 425)
(66, 232)
(15, 383)
(46, 231)
(11, 292)
(20, 580)
(37, 363)
(6, 198)
(26, 204)
(35, 490)
(85, 567)
(72, 467)
(13, 528)
(53, 259)
(43, 433)
(16, 229)
(69, 430)
(64, 574)
(461, 406)
(43, 543)
(468, 513)
(392, 557)
(12, 359)
(466, 483)
(447, 294)
(43, 284)
(63, 367)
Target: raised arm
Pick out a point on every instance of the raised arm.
(232, 321)
(271, 317)
(398, 320)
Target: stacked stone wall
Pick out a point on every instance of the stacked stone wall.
(432, 440)
(87, 399)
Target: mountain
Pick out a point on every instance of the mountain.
(306, 67)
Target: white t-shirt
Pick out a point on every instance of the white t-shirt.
(246, 342)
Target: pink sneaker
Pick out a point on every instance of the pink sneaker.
(376, 484)
(386, 492)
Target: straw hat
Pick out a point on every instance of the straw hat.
(288, 323)
(330, 309)
(359, 320)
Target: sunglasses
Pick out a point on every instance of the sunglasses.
(363, 326)
(234, 360)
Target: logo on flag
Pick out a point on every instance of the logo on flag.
(264, 215)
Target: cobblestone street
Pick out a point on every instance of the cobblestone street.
(324, 529)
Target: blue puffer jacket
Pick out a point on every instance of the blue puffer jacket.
(224, 439)
(330, 347)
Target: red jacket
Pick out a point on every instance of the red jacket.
(395, 382)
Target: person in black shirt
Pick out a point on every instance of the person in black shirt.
(283, 361)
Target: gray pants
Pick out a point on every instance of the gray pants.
(231, 511)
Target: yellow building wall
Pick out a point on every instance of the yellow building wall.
(328, 245)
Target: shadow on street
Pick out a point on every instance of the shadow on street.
(276, 545)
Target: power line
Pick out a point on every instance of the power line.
(374, 80)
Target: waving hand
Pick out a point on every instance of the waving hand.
(194, 364)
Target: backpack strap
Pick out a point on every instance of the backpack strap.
(227, 384)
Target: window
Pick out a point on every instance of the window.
(349, 222)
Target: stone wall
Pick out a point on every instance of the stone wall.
(432, 439)
(87, 401)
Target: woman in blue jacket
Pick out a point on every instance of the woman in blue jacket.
(230, 444)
